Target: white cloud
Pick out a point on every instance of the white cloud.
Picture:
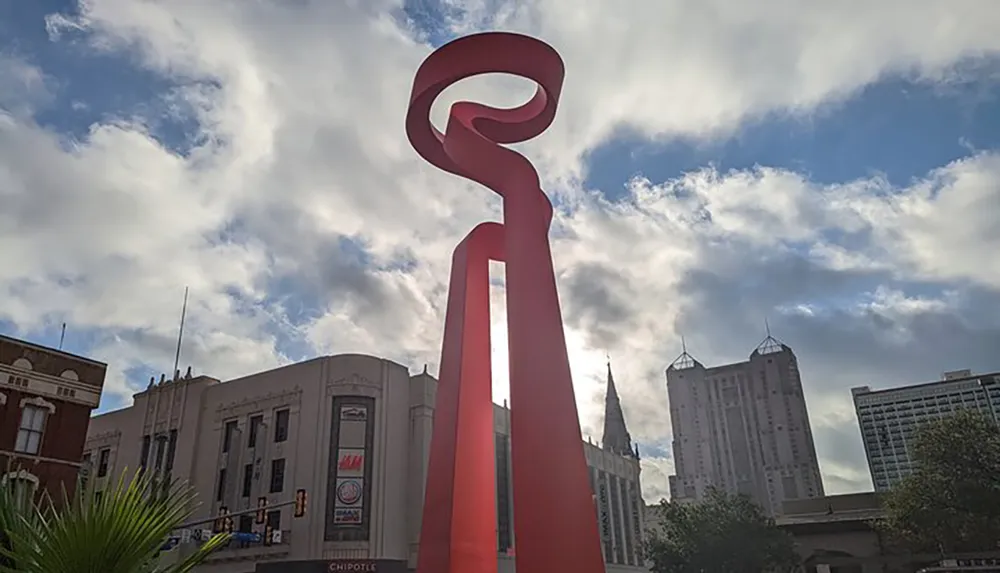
(669, 68)
(655, 478)
(300, 149)
(24, 87)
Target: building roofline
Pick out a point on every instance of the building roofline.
(309, 361)
(53, 350)
(927, 384)
(693, 363)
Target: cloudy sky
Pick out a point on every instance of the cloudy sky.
(833, 167)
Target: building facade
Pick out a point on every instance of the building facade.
(836, 534)
(888, 418)
(46, 397)
(353, 431)
(742, 428)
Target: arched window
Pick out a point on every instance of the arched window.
(24, 484)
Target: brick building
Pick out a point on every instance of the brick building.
(46, 397)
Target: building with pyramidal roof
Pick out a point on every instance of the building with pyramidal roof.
(742, 428)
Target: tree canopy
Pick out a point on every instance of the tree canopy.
(721, 534)
(951, 503)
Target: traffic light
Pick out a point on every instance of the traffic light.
(261, 509)
(300, 503)
(268, 532)
(229, 524)
(220, 522)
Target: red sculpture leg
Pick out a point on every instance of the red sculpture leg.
(555, 526)
(460, 512)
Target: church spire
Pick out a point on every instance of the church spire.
(616, 437)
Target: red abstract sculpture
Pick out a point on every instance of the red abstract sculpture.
(555, 524)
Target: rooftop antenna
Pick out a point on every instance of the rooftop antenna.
(685, 360)
(180, 332)
(62, 337)
(769, 345)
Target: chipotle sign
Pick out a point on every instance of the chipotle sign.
(353, 566)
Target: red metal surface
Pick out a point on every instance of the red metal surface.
(555, 525)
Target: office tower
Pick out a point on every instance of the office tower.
(742, 428)
(888, 418)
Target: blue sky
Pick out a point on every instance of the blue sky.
(899, 128)
(296, 226)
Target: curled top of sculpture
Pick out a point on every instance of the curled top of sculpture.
(490, 52)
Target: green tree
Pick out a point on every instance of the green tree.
(121, 532)
(951, 503)
(721, 534)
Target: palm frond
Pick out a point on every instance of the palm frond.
(120, 532)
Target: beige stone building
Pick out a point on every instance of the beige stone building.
(743, 428)
(354, 432)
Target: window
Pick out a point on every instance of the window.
(22, 486)
(245, 526)
(274, 519)
(84, 470)
(220, 488)
(227, 436)
(247, 479)
(161, 450)
(97, 496)
(102, 462)
(24, 489)
(504, 538)
(246, 523)
(281, 425)
(171, 449)
(29, 433)
(278, 475)
(145, 452)
(255, 423)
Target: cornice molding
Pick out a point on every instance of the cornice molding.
(251, 404)
(352, 383)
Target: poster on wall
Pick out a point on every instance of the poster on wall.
(351, 462)
(347, 516)
(353, 414)
(349, 492)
